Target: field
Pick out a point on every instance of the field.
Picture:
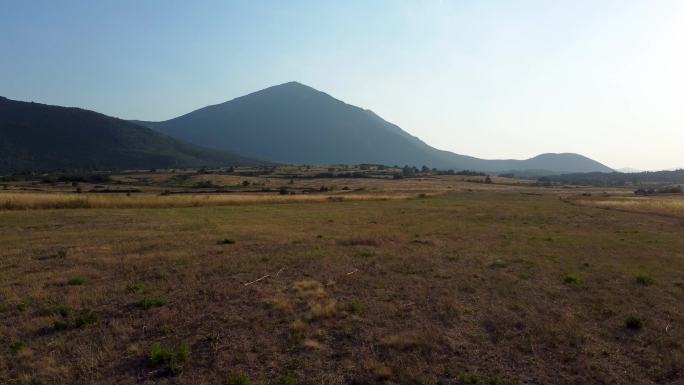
(423, 280)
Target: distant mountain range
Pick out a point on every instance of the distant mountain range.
(39, 137)
(294, 123)
(288, 123)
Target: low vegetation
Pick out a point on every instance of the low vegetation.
(476, 284)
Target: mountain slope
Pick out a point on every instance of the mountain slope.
(295, 123)
(36, 136)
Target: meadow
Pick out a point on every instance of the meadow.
(440, 281)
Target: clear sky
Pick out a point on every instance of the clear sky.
(488, 78)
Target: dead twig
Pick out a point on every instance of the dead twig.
(257, 280)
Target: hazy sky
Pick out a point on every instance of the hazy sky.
(493, 79)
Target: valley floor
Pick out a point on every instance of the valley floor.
(468, 287)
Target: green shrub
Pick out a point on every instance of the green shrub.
(355, 307)
(167, 358)
(76, 281)
(183, 352)
(18, 346)
(645, 280)
(148, 303)
(471, 379)
(239, 379)
(572, 279)
(634, 323)
(86, 317)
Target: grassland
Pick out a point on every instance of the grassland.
(476, 284)
(670, 205)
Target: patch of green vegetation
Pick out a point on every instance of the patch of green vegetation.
(634, 323)
(150, 302)
(572, 279)
(86, 317)
(167, 357)
(366, 254)
(18, 346)
(134, 288)
(226, 241)
(239, 379)
(645, 279)
(76, 281)
(471, 379)
(355, 307)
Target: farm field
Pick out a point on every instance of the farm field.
(448, 282)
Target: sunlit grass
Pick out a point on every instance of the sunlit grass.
(40, 201)
(658, 205)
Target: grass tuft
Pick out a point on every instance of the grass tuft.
(226, 241)
(18, 346)
(150, 302)
(571, 279)
(645, 280)
(634, 323)
(76, 281)
(86, 317)
(239, 379)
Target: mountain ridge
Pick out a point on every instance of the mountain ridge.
(41, 137)
(304, 125)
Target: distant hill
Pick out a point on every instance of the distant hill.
(39, 137)
(294, 123)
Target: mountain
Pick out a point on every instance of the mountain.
(294, 123)
(36, 136)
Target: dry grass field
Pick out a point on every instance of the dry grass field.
(670, 205)
(469, 284)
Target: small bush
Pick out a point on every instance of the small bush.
(355, 307)
(22, 306)
(239, 379)
(183, 352)
(76, 281)
(86, 317)
(226, 241)
(18, 346)
(572, 279)
(148, 303)
(169, 359)
(634, 323)
(645, 280)
(471, 379)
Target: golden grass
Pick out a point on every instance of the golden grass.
(669, 205)
(43, 201)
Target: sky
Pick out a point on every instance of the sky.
(487, 78)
